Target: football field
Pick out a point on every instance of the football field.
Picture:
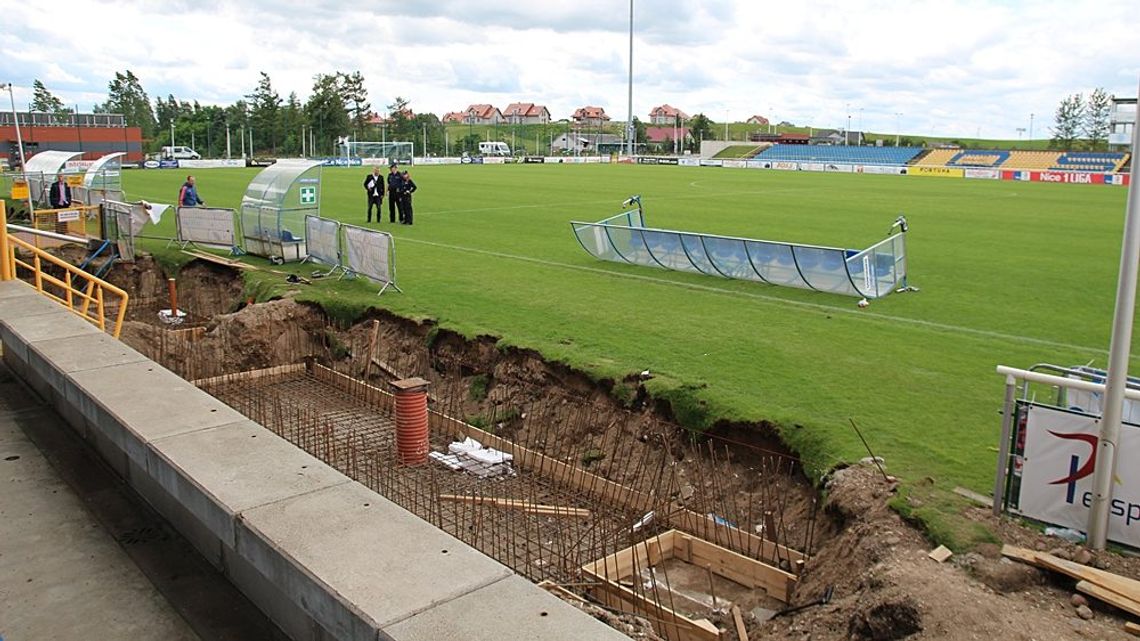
(1010, 273)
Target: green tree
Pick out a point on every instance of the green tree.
(1095, 124)
(46, 102)
(326, 113)
(264, 105)
(1067, 122)
(640, 136)
(355, 96)
(400, 124)
(292, 120)
(700, 128)
(126, 96)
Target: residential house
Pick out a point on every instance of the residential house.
(666, 115)
(590, 116)
(385, 119)
(454, 116)
(526, 113)
(483, 115)
(662, 135)
(757, 120)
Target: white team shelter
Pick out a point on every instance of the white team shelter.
(274, 208)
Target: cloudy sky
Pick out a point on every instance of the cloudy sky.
(949, 67)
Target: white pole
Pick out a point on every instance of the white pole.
(20, 148)
(227, 141)
(629, 131)
(1117, 378)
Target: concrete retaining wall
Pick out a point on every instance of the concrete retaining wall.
(322, 555)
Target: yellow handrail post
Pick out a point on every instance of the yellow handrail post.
(6, 267)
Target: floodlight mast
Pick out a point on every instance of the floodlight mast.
(20, 146)
(629, 130)
(1117, 376)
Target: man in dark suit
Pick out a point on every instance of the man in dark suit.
(395, 188)
(374, 187)
(407, 188)
(60, 193)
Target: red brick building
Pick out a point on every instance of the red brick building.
(94, 135)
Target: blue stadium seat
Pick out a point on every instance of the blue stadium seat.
(1089, 161)
(890, 156)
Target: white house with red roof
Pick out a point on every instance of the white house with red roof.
(483, 115)
(526, 113)
(590, 116)
(666, 115)
(757, 120)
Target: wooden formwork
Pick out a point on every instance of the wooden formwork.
(609, 574)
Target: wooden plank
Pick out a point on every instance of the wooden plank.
(1019, 554)
(707, 527)
(1130, 606)
(672, 625)
(741, 569)
(561, 473)
(251, 375)
(1132, 628)
(512, 504)
(236, 264)
(1128, 588)
(940, 553)
(622, 563)
(741, 631)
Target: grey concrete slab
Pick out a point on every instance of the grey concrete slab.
(513, 608)
(79, 353)
(17, 332)
(136, 403)
(16, 289)
(271, 600)
(220, 472)
(356, 562)
(61, 575)
(37, 304)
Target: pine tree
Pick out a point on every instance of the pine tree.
(1067, 122)
(126, 96)
(1095, 124)
(326, 113)
(264, 108)
(355, 96)
(46, 102)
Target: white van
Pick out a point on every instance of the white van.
(494, 149)
(180, 153)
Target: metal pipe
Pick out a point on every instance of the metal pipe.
(1070, 383)
(1119, 350)
(1003, 445)
(48, 234)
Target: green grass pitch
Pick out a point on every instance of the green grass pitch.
(1010, 273)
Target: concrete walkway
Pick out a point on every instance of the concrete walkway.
(63, 575)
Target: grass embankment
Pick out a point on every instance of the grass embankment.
(1012, 273)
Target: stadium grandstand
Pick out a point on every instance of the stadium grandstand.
(839, 154)
(1094, 161)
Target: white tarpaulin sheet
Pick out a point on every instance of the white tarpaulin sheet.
(206, 225)
(323, 237)
(1057, 473)
(369, 253)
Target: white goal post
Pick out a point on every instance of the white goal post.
(379, 153)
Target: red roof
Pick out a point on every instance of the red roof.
(454, 116)
(590, 113)
(661, 134)
(667, 111)
(523, 110)
(481, 112)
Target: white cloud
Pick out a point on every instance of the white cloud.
(951, 67)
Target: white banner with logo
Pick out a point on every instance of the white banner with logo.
(689, 161)
(987, 174)
(1057, 473)
(206, 225)
(369, 253)
(211, 163)
(879, 169)
(734, 163)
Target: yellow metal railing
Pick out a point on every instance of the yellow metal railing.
(84, 294)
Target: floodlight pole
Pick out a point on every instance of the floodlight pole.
(1117, 377)
(629, 131)
(20, 147)
(898, 131)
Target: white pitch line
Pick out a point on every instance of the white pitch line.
(582, 203)
(774, 300)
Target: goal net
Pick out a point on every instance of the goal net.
(401, 152)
